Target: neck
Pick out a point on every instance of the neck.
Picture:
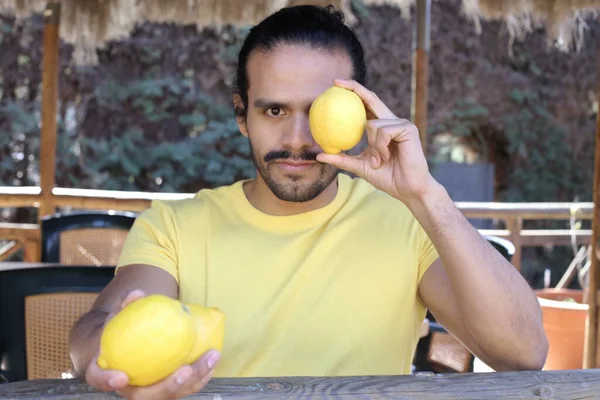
(262, 198)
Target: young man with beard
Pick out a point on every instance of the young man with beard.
(318, 274)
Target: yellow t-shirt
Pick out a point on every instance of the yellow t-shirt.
(324, 293)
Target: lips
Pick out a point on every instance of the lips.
(295, 165)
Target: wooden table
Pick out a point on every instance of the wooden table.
(563, 385)
(18, 280)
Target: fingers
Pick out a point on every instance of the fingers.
(370, 99)
(186, 380)
(168, 388)
(204, 369)
(379, 149)
(355, 165)
(104, 379)
(207, 363)
(381, 133)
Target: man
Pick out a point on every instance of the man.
(318, 273)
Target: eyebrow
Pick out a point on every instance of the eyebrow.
(264, 103)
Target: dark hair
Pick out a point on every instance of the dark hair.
(318, 27)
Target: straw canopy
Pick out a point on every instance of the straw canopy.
(564, 20)
(88, 24)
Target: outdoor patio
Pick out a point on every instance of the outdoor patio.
(69, 256)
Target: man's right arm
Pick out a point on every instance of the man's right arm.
(84, 340)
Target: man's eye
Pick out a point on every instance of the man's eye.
(274, 111)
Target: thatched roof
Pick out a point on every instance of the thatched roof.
(564, 20)
(88, 24)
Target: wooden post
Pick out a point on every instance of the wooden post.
(31, 251)
(420, 69)
(592, 356)
(50, 70)
(515, 225)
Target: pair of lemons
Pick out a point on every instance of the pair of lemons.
(152, 337)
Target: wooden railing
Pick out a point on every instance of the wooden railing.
(25, 236)
(512, 215)
(564, 385)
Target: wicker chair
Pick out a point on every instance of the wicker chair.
(85, 238)
(48, 321)
(38, 306)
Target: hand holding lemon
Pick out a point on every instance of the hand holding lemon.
(394, 161)
(156, 346)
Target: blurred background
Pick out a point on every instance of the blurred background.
(509, 119)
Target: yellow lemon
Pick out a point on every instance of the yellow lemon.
(148, 339)
(210, 330)
(337, 119)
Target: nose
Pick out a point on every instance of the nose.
(298, 136)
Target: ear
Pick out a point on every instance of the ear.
(240, 113)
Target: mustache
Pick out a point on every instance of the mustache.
(306, 155)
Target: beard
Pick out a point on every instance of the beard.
(293, 188)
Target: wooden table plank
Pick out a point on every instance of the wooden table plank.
(564, 385)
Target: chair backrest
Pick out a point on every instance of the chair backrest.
(85, 237)
(448, 353)
(441, 352)
(504, 246)
(48, 321)
(19, 283)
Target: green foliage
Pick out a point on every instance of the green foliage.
(463, 119)
(542, 167)
(128, 163)
(207, 151)
(19, 144)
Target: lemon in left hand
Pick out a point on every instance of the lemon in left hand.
(148, 339)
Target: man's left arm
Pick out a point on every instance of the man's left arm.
(475, 292)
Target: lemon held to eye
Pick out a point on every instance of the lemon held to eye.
(337, 119)
(148, 339)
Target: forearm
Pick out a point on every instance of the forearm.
(84, 340)
(491, 294)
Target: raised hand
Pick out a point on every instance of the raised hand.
(394, 161)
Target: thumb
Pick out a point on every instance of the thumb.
(132, 296)
(355, 165)
(104, 379)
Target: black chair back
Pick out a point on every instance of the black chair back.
(84, 237)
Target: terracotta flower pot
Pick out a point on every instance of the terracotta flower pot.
(564, 323)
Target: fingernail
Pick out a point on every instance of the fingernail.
(183, 375)
(113, 382)
(374, 161)
(213, 359)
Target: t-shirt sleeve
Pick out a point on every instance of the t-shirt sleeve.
(152, 240)
(427, 252)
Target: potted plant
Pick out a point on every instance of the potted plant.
(565, 313)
